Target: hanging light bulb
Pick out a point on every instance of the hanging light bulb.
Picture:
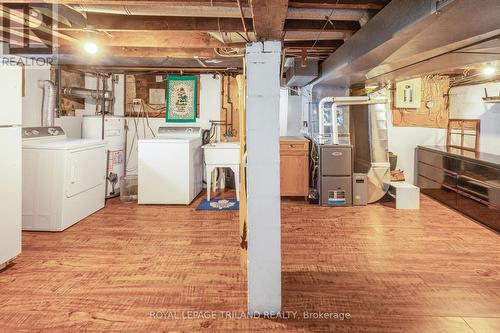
(90, 47)
(489, 70)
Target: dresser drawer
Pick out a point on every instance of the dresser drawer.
(294, 145)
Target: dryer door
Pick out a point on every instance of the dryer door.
(86, 170)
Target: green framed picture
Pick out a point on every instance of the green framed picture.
(181, 99)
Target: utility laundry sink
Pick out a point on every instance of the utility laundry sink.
(222, 153)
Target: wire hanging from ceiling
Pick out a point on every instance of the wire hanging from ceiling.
(328, 20)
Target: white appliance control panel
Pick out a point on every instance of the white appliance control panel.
(179, 132)
(39, 132)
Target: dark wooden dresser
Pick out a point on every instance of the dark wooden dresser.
(465, 181)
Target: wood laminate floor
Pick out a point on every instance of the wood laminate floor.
(431, 270)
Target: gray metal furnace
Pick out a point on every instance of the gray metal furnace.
(335, 176)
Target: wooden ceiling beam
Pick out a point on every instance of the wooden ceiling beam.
(17, 37)
(313, 35)
(307, 25)
(145, 52)
(33, 23)
(341, 4)
(17, 34)
(335, 43)
(226, 3)
(170, 39)
(269, 18)
(152, 69)
(110, 22)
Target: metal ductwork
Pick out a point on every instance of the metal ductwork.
(371, 146)
(299, 76)
(48, 102)
(414, 37)
(87, 93)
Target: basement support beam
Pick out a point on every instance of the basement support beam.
(110, 22)
(146, 52)
(170, 39)
(341, 4)
(263, 61)
(269, 18)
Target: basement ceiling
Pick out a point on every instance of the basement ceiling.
(179, 33)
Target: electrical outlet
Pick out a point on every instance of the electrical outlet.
(137, 105)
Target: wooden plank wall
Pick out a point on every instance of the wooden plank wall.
(434, 89)
(230, 95)
(70, 79)
(138, 85)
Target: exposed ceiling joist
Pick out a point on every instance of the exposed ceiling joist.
(156, 69)
(340, 4)
(31, 22)
(17, 37)
(306, 25)
(170, 39)
(223, 12)
(110, 22)
(321, 13)
(61, 12)
(269, 18)
(312, 36)
(319, 44)
(229, 3)
(161, 10)
(147, 52)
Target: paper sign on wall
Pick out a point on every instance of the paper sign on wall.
(157, 96)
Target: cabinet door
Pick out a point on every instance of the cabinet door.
(294, 175)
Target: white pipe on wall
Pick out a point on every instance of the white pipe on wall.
(321, 117)
(48, 102)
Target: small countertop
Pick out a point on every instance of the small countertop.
(482, 158)
(293, 138)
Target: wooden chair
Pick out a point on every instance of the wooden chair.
(463, 128)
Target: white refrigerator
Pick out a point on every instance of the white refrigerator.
(10, 162)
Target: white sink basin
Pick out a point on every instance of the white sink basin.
(222, 153)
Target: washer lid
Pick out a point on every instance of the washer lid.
(67, 144)
(172, 140)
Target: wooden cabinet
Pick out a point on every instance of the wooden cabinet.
(468, 182)
(294, 171)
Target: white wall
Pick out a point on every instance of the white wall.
(466, 102)
(404, 140)
(294, 110)
(32, 101)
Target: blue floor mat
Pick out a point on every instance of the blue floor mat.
(219, 204)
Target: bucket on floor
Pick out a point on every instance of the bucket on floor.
(128, 188)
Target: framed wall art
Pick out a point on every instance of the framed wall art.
(181, 99)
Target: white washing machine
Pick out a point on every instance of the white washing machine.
(170, 168)
(63, 179)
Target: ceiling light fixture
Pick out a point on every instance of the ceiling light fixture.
(90, 47)
(489, 70)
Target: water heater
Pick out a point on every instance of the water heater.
(114, 135)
